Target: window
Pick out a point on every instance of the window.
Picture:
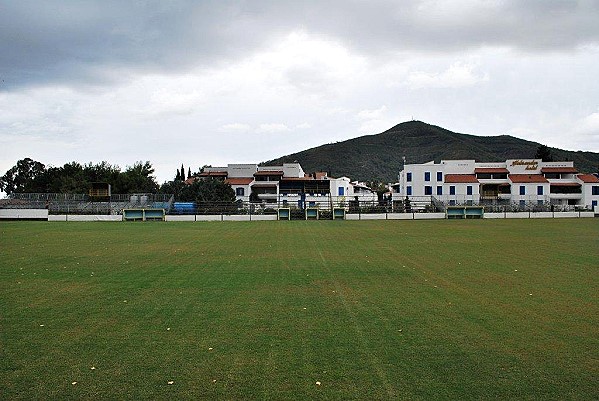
(539, 190)
(522, 203)
(439, 190)
(469, 190)
(439, 176)
(409, 177)
(341, 191)
(540, 202)
(594, 204)
(239, 191)
(595, 189)
(408, 190)
(452, 190)
(428, 190)
(427, 176)
(452, 202)
(522, 190)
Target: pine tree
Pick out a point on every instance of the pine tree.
(178, 176)
(189, 172)
(182, 172)
(544, 153)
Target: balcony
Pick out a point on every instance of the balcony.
(565, 196)
(268, 196)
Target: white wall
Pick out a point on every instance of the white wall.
(374, 216)
(445, 167)
(343, 182)
(428, 216)
(458, 166)
(246, 192)
(565, 214)
(400, 216)
(418, 181)
(235, 217)
(175, 217)
(541, 215)
(208, 217)
(85, 217)
(200, 217)
(530, 192)
(241, 170)
(292, 170)
(264, 217)
(461, 192)
(24, 214)
(494, 215)
(588, 197)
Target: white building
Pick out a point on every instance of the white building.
(520, 182)
(289, 184)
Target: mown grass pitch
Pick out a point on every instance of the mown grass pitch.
(264, 310)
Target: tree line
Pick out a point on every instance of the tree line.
(30, 176)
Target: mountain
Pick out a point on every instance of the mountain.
(379, 157)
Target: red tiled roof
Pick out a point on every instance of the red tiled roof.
(460, 178)
(269, 172)
(527, 178)
(239, 181)
(190, 181)
(558, 170)
(588, 178)
(565, 184)
(488, 170)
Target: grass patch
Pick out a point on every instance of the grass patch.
(264, 310)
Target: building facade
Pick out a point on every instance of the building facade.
(519, 182)
(288, 185)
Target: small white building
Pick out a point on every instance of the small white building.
(521, 182)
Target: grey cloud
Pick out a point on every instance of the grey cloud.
(74, 41)
(94, 41)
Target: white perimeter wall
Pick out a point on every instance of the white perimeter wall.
(43, 214)
(24, 214)
(218, 217)
(81, 217)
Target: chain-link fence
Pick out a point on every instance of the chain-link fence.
(82, 204)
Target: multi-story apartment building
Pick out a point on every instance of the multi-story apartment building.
(521, 182)
(288, 184)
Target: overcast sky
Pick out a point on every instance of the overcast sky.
(217, 82)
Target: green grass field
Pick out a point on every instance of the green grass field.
(264, 310)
